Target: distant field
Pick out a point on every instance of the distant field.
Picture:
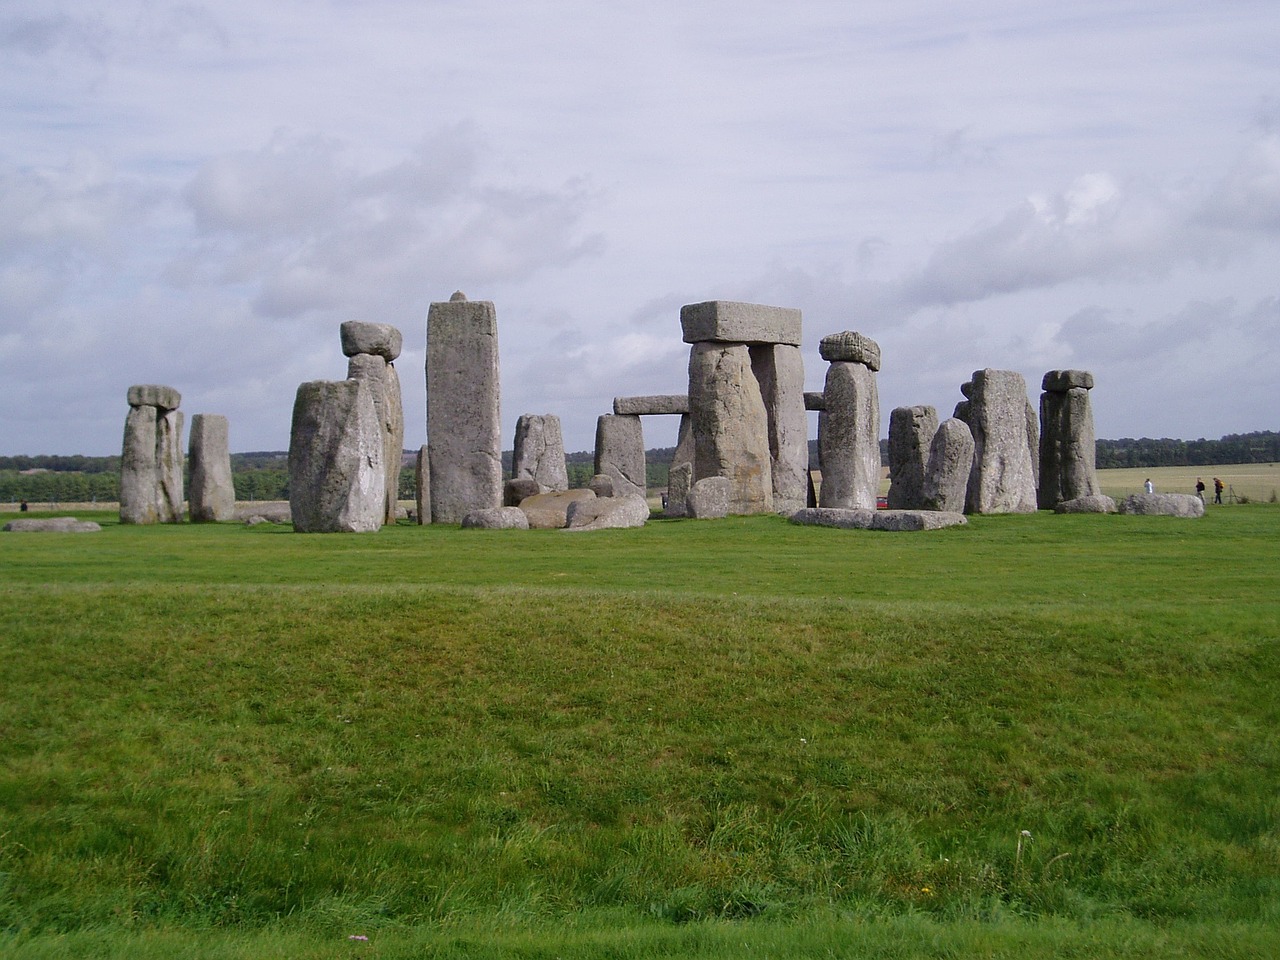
(1259, 482)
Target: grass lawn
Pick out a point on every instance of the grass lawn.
(1031, 736)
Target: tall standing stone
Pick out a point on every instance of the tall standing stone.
(337, 478)
(422, 485)
(911, 431)
(1067, 441)
(620, 453)
(946, 478)
(371, 349)
(538, 453)
(779, 369)
(1002, 479)
(151, 460)
(730, 425)
(849, 427)
(212, 496)
(463, 416)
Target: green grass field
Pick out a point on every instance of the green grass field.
(1031, 736)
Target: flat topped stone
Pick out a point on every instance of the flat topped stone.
(496, 518)
(1095, 503)
(379, 339)
(51, 525)
(154, 395)
(1060, 381)
(888, 520)
(728, 321)
(1184, 505)
(655, 405)
(851, 347)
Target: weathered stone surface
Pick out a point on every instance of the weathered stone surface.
(1060, 381)
(658, 405)
(496, 518)
(138, 496)
(378, 339)
(1067, 447)
(911, 431)
(849, 438)
(1033, 444)
(550, 511)
(610, 513)
(601, 485)
(1098, 503)
(728, 321)
(539, 452)
(154, 395)
(888, 520)
(779, 370)
(337, 478)
(709, 499)
(384, 386)
(518, 489)
(463, 425)
(730, 425)
(680, 472)
(849, 346)
(814, 400)
(422, 485)
(169, 464)
(946, 478)
(620, 453)
(1002, 479)
(264, 511)
(1184, 505)
(51, 525)
(213, 494)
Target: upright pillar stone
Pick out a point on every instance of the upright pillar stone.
(911, 431)
(337, 478)
(849, 427)
(730, 425)
(620, 453)
(212, 496)
(1067, 441)
(463, 416)
(538, 452)
(371, 349)
(779, 369)
(422, 485)
(946, 479)
(151, 460)
(1002, 479)
(680, 475)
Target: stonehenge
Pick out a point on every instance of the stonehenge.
(946, 479)
(539, 452)
(337, 474)
(620, 453)
(371, 349)
(212, 497)
(1067, 441)
(849, 423)
(911, 431)
(151, 461)
(1002, 479)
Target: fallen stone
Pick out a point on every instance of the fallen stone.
(154, 395)
(51, 525)
(887, 520)
(709, 499)
(729, 321)
(266, 511)
(658, 405)
(379, 339)
(517, 489)
(849, 346)
(1184, 505)
(496, 518)
(550, 511)
(1097, 503)
(610, 513)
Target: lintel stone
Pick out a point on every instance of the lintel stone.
(1060, 381)
(728, 321)
(656, 405)
(154, 395)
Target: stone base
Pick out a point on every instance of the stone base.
(892, 520)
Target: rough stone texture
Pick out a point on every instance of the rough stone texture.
(888, 520)
(1033, 444)
(169, 464)
(51, 525)
(779, 370)
(539, 452)
(1099, 503)
(1002, 479)
(620, 453)
(517, 489)
(849, 346)
(946, 478)
(384, 386)
(265, 511)
(138, 499)
(463, 416)
(337, 479)
(1067, 446)
(709, 499)
(601, 485)
(422, 485)
(496, 518)
(657, 405)
(730, 425)
(1060, 381)
(814, 400)
(212, 494)
(849, 438)
(611, 513)
(728, 321)
(154, 395)
(911, 431)
(379, 339)
(680, 473)
(1185, 505)
(550, 511)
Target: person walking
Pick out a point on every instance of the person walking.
(1217, 490)
(1200, 489)
(1149, 486)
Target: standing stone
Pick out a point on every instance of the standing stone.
(779, 369)
(539, 452)
(422, 485)
(169, 464)
(463, 425)
(1067, 442)
(730, 425)
(911, 431)
(680, 474)
(849, 427)
(1002, 480)
(946, 479)
(151, 459)
(384, 385)
(213, 496)
(337, 478)
(620, 453)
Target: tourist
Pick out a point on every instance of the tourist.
(1217, 490)
(1149, 486)
(1200, 489)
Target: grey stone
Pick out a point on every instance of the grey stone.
(1033, 445)
(601, 485)
(169, 464)
(887, 520)
(680, 472)
(517, 489)
(337, 479)
(1060, 381)
(255, 520)
(1184, 505)
(849, 346)
(779, 370)
(138, 497)
(212, 495)
(463, 425)
(611, 513)
(1002, 479)
(265, 511)
(911, 431)
(1098, 503)
(154, 395)
(550, 511)
(384, 386)
(658, 405)
(730, 425)
(709, 499)
(620, 453)
(728, 321)
(539, 452)
(849, 438)
(813, 400)
(946, 479)
(51, 525)
(496, 518)
(379, 339)
(1067, 447)
(422, 485)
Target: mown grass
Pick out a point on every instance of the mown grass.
(695, 739)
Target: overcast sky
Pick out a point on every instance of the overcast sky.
(197, 194)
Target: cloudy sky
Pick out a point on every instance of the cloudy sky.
(197, 194)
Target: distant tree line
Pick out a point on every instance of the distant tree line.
(1260, 447)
